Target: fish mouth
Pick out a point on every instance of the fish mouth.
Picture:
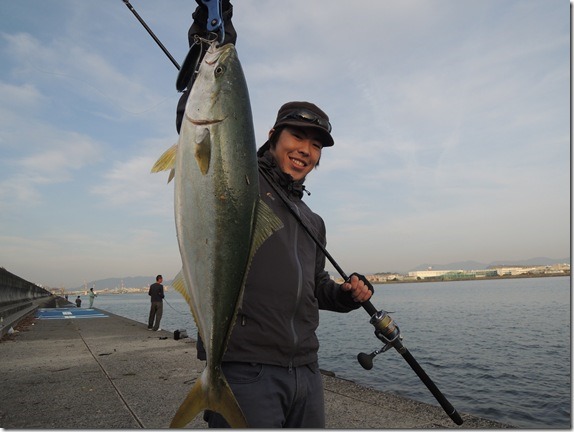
(204, 122)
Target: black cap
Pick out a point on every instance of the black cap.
(305, 115)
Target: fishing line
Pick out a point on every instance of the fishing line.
(179, 312)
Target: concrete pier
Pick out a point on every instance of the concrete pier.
(106, 372)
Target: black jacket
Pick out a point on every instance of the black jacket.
(156, 292)
(286, 286)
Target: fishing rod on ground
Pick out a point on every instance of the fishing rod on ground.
(386, 330)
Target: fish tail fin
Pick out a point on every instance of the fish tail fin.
(229, 408)
(166, 162)
(203, 397)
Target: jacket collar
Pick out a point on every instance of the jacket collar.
(292, 187)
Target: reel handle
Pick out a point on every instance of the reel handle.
(366, 360)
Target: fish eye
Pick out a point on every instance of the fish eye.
(219, 70)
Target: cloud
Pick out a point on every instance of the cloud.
(130, 184)
(451, 126)
(44, 155)
(70, 69)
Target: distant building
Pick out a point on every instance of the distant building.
(438, 275)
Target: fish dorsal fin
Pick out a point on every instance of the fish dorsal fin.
(266, 223)
(166, 161)
(203, 149)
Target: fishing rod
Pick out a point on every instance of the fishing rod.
(140, 19)
(386, 329)
(188, 70)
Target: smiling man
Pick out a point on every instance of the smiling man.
(271, 361)
(300, 132)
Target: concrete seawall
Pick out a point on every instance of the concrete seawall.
(86, 368)
(17, 297)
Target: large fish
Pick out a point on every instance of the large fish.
(220, 220)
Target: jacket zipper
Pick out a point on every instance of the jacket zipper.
(298, 297)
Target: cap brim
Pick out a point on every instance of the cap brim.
(326, 138)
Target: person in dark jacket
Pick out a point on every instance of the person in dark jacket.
(156, 309)
(271, 361)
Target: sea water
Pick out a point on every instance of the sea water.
(498, 349)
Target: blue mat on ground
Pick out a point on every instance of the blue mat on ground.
(69, 313)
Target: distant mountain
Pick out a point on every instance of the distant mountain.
(475, 265)
(532, 262)
(128, 281)
(146, 281)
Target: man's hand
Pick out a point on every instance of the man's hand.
(360, 288)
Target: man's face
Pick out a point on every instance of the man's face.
(298, 151)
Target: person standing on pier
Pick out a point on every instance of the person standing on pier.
(92, 295)
(78, 302)
(156, 309)
(271, 361)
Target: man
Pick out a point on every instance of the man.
(92, 295)
(271, 358)
(156, 309)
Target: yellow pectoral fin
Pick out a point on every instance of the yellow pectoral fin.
(203, 149)
(166, 161)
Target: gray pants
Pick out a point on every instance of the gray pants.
(155, 312)
(275, 396)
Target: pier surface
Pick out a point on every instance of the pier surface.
(94, 370)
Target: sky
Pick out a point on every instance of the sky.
(451, 123)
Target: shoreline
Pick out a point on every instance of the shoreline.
(140, 290)
(522, 276)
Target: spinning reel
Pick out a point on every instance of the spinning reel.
(387, 331)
